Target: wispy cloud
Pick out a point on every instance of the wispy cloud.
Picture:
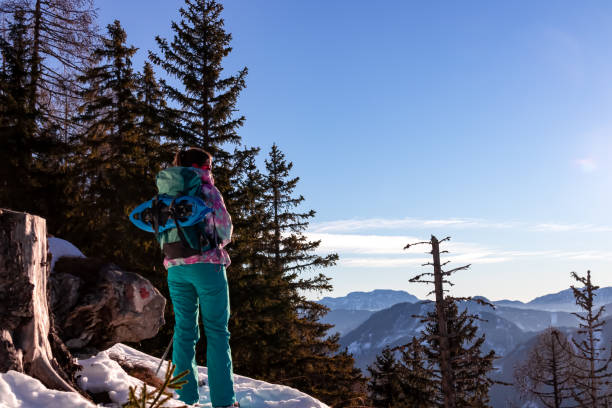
(385, 244)
(554, 227)
(362, 262)
(402, 224)
(371, 250)
(405, 223)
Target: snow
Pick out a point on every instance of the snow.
(20, 390)
(354, 348)
(60, 247)
(102, 373)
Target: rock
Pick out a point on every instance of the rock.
(97, 305)
(64, 293)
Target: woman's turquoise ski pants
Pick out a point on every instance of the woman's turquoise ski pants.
(202, 284)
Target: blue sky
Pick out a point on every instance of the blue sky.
(486, 121)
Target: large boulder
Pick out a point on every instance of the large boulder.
(97, 305)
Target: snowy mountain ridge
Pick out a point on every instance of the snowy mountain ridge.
(374, 300)
(379, 299)
(560, 301)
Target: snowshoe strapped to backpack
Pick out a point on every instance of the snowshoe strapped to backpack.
(177, 214)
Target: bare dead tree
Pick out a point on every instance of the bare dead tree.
(62, 35)
(451, 340)
(548, 372)
(593, 377)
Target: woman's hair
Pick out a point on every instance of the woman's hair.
(192, 155)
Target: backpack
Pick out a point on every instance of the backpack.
(177, 215)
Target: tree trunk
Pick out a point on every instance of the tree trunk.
(448, 387)
(28, 342)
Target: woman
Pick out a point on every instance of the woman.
(201, 279)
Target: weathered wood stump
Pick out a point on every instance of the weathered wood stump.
(28, 342)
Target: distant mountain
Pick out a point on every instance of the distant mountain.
(536, 320)
(565, 301)
(389, 327)
(345, 320)
(509, 331)
(527, 319)
(608, 310)
(396, 326)
(375, 300)
(511, 303)
(561, 301)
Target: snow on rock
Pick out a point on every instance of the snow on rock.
(60, 247)
(102, 373)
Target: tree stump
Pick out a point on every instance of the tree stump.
(28, 342)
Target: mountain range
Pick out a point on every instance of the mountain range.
(510, 328)
(375, 300)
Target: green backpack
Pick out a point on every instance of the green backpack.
(191, 240)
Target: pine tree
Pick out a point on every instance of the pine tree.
(17, 122)
(416, 375)
(59, 34)
(403, 383)
(305, 357)
(200, 112)
(152, 118)
(548, 372)
(468, 365)
(250, 321)
(593, 376)
(204, 115)
(252, 294)
(385, 384)
(118, 160)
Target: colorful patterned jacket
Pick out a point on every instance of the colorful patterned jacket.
(219, 223)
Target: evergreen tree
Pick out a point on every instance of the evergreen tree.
(59, 34)
(403, 383)
(416, 375)
(152, 118)
(17, 122)
(200, 113)
(385, 384)
(593, 376)
(304, 356)
(548, 372)
(468, 365)
(118, 160)
(255, 331)
(251, 322)
(204, 115)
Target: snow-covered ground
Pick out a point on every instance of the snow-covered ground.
(102, 373)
